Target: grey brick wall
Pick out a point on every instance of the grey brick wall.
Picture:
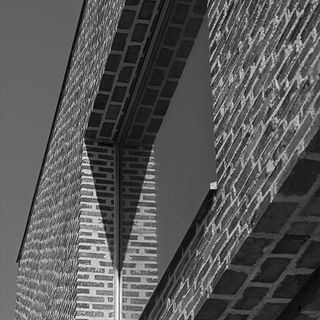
(138, 229)
(265, 85)
(96, 236)
(264, 59)
(47, 273)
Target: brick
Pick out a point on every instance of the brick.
(251, 251)
(172, 36)
(192, 27)
(164, 57)
(136, 132)
(126, 19)
(289, 244)
(247, 31)
(94, 120)
(311, 256)
(314, 303)
(300, 23)
(177, 69)
(125, 74)
(146, 10)
(143, 114)
(101, 101)
(154, 125)
(251, 297)
(275, 217)
(169, 89)
(106, 82)
(157, 77)
(139, 32)
(180, 13)
(301, 178)
(314, 145)
(119, 41)
(236, 317)
(270, 311)
(113, 62)
(271, 269)
(313, 206)
(211, 309)
(286, 31)
(112, 112)
(230, 282)
(302, 228)
(149, 97)
(184, 49)
(290, 286)
(132, 54)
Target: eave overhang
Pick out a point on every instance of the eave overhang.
(148, 55)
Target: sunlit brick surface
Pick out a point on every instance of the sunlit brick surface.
(265, 85)
(138, 230)
(96, 236)
(254, 245)
(47, 272)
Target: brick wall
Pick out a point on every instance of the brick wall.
(277, 259)
(138, 229)
(138, 237)
(47, 278)
(265, 84)
(96, 235)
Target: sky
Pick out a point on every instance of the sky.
(35, 42)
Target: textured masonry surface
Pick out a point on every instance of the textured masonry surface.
(265, 84)
(131, 44)
(47, 271)
(94, 214)
(96, 234)
(138, 228)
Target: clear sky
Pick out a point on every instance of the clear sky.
(35, 41)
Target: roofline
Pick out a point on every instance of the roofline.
(66, 74)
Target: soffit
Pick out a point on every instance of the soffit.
(149, 52)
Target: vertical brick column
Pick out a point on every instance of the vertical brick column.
(47, 280)
(96, 237)
(96, 234)
(138, 232)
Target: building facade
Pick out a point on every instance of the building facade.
(126, 222)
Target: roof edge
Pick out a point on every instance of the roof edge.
(64, 81)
